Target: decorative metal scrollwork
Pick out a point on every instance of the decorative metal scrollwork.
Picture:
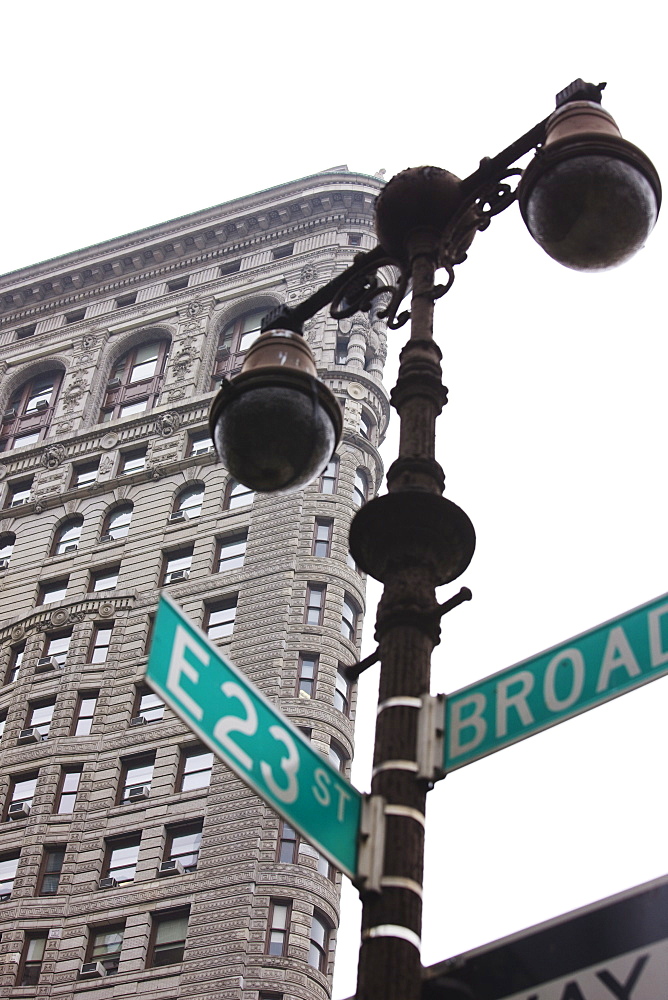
(363, 287)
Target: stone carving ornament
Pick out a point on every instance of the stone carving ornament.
(53, 456)
(169, 423)
(75, 390)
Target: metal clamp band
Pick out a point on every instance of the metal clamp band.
(399, 882)
(392, 931)
(394, 810)
(399, 702)
(396, 765)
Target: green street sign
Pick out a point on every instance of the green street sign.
(228, 713)
(564, 681)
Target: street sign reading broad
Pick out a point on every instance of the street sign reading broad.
(255, 739)
(562, 682)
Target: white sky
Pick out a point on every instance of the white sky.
(554, 439)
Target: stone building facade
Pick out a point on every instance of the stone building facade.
(131, 864)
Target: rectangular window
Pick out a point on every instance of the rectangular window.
(354, 239)
(168, 937)
(18, 493)
(195, 768)
(54, 590)
(26, 331)
(8, 865)
(32, 957)
(230, 267)
(231, 551)
(25, 440)
(68, 786)
(288, 845)
(319, 948)
(136, 774)
(3, 721)
(177, 283)
(278, 927)
(366, 426)
(14, 665)
(183, 844)
(99, 647)
(51, 867)
(104, 579)
(83, 720)
(220, 619)
(200, 444)
(148, 705)
(322, 536)
(145, 362)
(126, 300)
(104, 945)
(85, 474)
(349, 618)
(40, 714)
(21, 791)
(315, 603)
(342, 692)
(285, 251)
(176, 565)
(57, 647)
(131, 409)
(132, 461)
(329, 476)
(75, 316)
(120, 861)
(308, 669)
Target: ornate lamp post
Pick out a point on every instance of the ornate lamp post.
(590, 199)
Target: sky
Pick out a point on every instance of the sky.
(553, 440)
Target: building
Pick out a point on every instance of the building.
(130, 862)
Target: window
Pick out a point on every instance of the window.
(83, 721)
(288, 845)
(67, 536)
(349, 618)
(230, 267)
(104, 945)
(132, 461)
(278, 927)
(74, 317)
(85, 474)
(18, 493)
(7, 542)
(189, 501)
(21, 789)
(285, 251)
(235, 339)
(176, 565)
(220, 619)
(14, 665)
(360, 489)
(237, 495)
(322, 536)
(40, 714)
(329, 476)
(150, 625)
(29, 410)
(3, 722)
(231, 551)
(32, 957)
(67, 789)
(8, 865)
(120, 862)
(50, 870)
(99, 647)
(177, 283)
(315, 603)
(54, 590)
(341, 354)
(195, 768)
(136, 773)
(183, 844)
(200, 444)
(264, 995)
(117, 523)
(126, 300)
(342, 692)
(148, 705)
(354, 239)
(366, 425)
(57, 646)
(104, 579)
(308, 669)
(135, 381)
(319, 948)
(26, 331)
(338, 757)
(168, 937)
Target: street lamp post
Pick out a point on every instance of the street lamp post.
(590, 199)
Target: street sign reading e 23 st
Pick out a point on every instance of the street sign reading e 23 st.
(254, 738)
(564, 681)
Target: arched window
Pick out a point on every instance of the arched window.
(117, 523)
(366, 426)
(235, 339)
(188, 503)
(237, 495)
(360, 489)
(321, 929)
(7, 541)
(29, 411)
(349, 618)
(67, 536)
(135, 381)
